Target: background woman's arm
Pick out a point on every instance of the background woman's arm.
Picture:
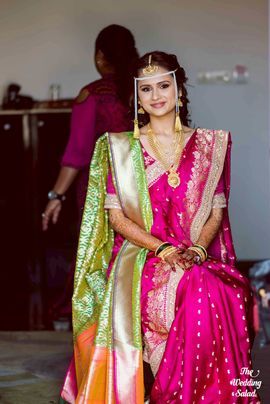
(65, 178)
(78, 152)
(53, 208)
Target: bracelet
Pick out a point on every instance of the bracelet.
(202, 248)
(162, 247)
(199, 252)
(52, 195)
(167, 251)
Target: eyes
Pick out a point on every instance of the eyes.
(162, 86)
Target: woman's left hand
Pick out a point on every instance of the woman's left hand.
(187, 258)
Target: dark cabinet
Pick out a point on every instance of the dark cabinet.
(14, 232)
(33, 265)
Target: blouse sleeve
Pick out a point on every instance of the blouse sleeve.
(111, 200)
(219, 200)
(82, 137)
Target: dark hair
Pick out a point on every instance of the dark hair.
(118, 46)
(170, 63)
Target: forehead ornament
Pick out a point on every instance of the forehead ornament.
(150, 69)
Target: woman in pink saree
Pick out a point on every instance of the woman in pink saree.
(161, 236)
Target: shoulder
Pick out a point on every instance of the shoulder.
(115, 135)
(83, 94)
(103, 86)
(124, 134)
(102, 141)
(120, 139)
(213, 135)
(98, 87)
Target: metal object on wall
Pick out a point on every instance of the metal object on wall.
(239, 75)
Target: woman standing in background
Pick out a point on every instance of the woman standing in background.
(101, 105)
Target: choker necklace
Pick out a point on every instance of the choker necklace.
(178, 145)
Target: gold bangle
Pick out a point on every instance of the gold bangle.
(170, 247)
(201, 254)
(198, 252)
(167, 251)
(197, 249)
(162, 247)
(202, 248)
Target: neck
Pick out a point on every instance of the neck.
(163, 124)
(107, 70)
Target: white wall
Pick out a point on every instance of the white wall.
(42, 42)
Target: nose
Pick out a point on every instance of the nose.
(155, 94)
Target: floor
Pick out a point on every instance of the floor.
(33, 364)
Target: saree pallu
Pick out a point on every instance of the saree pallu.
(197, 328)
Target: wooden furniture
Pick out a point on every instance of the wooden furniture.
(33, 265)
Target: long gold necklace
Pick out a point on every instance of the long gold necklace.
(172, 165)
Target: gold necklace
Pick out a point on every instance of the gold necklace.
(157, 147)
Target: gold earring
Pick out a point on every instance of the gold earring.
(141, 110)
(178, 125)
(180, 104)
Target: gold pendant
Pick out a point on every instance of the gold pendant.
(173, 179)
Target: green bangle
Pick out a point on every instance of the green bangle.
(162, 247)
(202, 249)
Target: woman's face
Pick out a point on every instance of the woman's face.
(157, 94)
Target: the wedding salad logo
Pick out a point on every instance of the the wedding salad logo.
(247, 387)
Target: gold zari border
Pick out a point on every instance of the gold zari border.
(219, 153)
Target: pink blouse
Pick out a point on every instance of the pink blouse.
(99, 112)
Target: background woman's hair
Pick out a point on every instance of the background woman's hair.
(118, 46)
(168, 62)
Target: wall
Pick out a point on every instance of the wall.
(46, 42)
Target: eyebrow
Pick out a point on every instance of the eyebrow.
(160, 82)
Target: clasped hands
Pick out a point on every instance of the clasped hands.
(182, 258)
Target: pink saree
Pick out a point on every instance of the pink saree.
(197, 329)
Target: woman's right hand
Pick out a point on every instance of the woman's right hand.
(51, 212)
(176, 259)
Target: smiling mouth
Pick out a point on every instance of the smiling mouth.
(158, 104)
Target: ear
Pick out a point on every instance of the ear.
(100, 55)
